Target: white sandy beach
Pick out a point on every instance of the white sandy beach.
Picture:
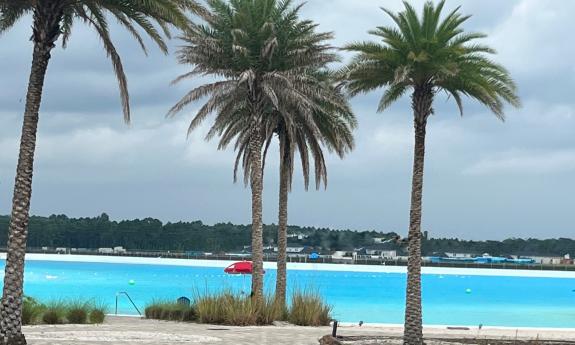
(298, 266)
(134, 331)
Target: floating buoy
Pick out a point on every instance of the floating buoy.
(132, 282)
(468, 291)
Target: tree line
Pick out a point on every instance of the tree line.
(152, 234)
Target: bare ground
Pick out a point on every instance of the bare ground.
(134, 331)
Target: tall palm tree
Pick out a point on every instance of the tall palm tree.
(424, 55)
(331, 126)
(53, 19)
(259, 50)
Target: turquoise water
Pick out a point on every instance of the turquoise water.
(369, 297)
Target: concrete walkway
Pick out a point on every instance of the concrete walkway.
(134, 331)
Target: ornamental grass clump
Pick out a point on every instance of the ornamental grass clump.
(32, 311)
(97, 316)
(212, 308)
(55, 313)
(77, 312)
(62, 312)
(227, 308)
(170, 311)
(309, 309)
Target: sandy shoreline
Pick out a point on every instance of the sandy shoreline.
(298, 266)
(134, 331)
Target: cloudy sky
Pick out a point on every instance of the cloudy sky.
(484, 180)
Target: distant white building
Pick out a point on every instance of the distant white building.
(342, 257)
(298, 236)
(106, 250)
(119, 250)
(548, 260)
(294, 249)
(461, 255)
(376, 251)
(61, 250)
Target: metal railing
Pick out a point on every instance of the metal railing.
(118, 294)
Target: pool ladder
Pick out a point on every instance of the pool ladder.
(118, 294)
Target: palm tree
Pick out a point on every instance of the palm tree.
(259, 50)
(425, 55)
(53, 19)
(331, 126)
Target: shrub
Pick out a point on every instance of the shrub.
(227, 308)
(212, 308)
(170, 311)
(270, 311)
(240, 311)
(309, 309)
(77, 316)
(97, 316)
(97, 313)
(31, 311)
(51, 317)
(77, 311)
(55, 312)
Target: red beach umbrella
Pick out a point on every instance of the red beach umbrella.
(241, 267)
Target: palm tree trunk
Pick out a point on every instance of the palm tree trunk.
(282, 222)
(46, 32)
(257, 226)
(413, 332)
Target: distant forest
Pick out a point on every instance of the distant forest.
(152, 234)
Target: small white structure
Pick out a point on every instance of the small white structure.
(119, 250)
(461, 255)
(61, 250)
(548, 260)
(298, 236)
(106, 250)
(342, 257)
(294, 249)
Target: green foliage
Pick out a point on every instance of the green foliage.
(137, 17)
(433, 53)
(97, 312)
(77, 315)
(227, 308)
(51, 317)
(31, 311)
(275, 78)
(62, 311)
(309, 309)
(77, 311)
(55, 312)
(212, 308)
(170, 311)
(97, 316)
(151, 234)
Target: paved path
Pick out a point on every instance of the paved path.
(133, 331)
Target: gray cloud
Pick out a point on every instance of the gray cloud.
(484, 178)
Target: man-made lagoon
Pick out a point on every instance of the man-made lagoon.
(358, 293)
